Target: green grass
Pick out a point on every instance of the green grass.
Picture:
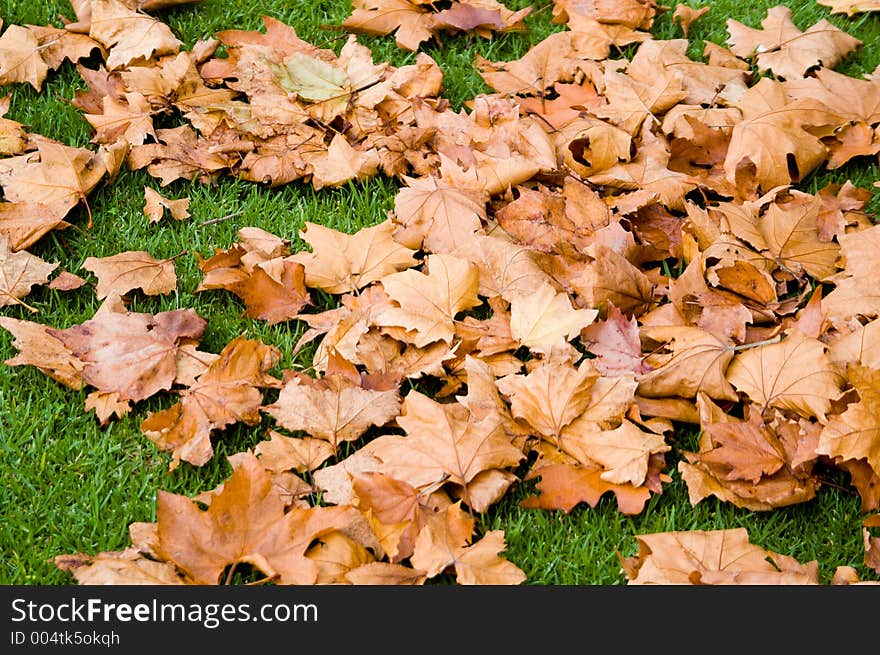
(71, 486)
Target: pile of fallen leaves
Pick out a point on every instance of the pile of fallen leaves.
(597, 253)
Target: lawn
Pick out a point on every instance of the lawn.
(70, 485)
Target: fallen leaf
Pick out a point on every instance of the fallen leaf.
(340, 263)
(713, 557)
(155, 206)
(19, 272)
(134, 269)
(430, 301)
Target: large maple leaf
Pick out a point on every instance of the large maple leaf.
(340, 263)
(445, 444)
(429, 302)
(135, 269)
(129, 36)
(130, 353)
(333, 408)
(795, 373)
(774, 135)
(782, 48)
(57, 175)
(713, 557)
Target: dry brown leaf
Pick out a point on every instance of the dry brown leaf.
(134, 354)
(436, 217)
(332, 408)
(155, 205)
(36, 347)
(429, 302)
(782, 48)
(685, 16)
(58, 176)
(686, 361)
(545, 321)
(795, 374)
(126, 567)
(855, 434)
(445, 444)
(340, 263)
(447, 542)
(564, 486)
(134, 269)
(20, 58)
(857, 286)
(129, 36)
(19, 272)
(713, 557)
(201, 544)
(850, 7)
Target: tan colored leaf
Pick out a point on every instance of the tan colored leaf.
(546, 321)
(20, 58)
(25, 223)
(385, 573)
(445, 444)
(685, 16)
(134, 269)
(343, 163)
(686, 361)
(774, 136)
(59, 176)
(246, 523)
(332, 408)
(281, 453)
(156, 204)
(66, 281)
(340, 262)
(19, 272)
(782, 48)
(36, 347)
(794, 374)
(129, 119)
(713, 557)
(850, 7)
(564, 486)
(434, 216)
(129, 36)
(855, 434)
(126, 567)
(615, 343)
(551, 396)
(430, 301)
(134, 354)
(857, 286)
(410, 22)
(624, 452)
(448, 544)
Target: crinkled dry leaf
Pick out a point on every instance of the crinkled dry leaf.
(19, 272)
(134, 269)
(155, 206)
(713, 557)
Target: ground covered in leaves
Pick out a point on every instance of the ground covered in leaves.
(604, 276)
